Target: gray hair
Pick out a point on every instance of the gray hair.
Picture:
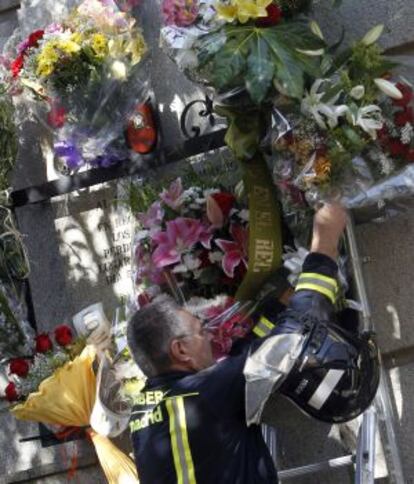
(150, 332)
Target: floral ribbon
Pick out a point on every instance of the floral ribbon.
(265, 237)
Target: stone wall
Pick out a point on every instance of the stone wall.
(73, 266)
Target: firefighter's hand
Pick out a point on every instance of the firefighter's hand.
(328, 226)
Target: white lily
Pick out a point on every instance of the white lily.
(370, 119)
(325, 113)
(373, 35)
(357, 92)
(388, 88)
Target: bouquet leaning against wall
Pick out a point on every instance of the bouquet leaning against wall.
(57, 386)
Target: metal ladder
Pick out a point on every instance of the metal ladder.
(380, 416)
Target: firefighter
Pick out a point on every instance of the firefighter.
(196, 421)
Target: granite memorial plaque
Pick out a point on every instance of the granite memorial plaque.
(94, 231)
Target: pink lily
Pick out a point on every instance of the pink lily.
(153, 217)
(146, 271)
(236, 251)
(173, 196)
(180, 236)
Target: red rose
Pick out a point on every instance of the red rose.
(396, 148)
(34, 38)
(11, 392)
(19, 367)
(274, 16)
(56, 117)
(407, 93)
(43, 343)
(410, 155)
(225, 201)
(63, 335)
(17, 65)
(404, 117)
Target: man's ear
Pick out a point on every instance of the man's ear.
(178, 351)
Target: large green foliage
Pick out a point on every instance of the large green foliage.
(259, 58)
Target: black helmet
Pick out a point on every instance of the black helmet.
(336, 376)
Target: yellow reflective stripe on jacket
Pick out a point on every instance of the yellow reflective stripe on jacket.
(317, 282)
(183, 460)
(263, 327)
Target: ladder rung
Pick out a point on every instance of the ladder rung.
(343, 461)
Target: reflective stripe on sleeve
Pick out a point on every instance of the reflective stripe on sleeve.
(319, 283)
(263, 327)
(183, 460)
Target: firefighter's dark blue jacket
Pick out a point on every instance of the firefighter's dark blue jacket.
(190, 428)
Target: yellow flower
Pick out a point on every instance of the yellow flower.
(137, 48)
(77, 37)
(44, 69)
(99, 45)
(116, 47)
(322, 167)
(242, 10)
(68, 46)
(46, 60)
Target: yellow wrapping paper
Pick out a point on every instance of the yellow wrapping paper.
(67, 398)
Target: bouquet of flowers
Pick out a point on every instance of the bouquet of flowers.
(193, 243)
(254, 45)
(36, 394)
(27, 373)
(87, 73)
(351, 136)
(193, 239)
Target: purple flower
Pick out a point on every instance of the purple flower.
(235, 252)
(180, 236)
(153, 217)
(173, 196)
(70, 154)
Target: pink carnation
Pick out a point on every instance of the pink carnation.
(181, 13)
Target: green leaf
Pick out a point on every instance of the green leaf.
(291, 65)
(227, 65)
(208, 45)
(339, 61)
(356, 140)
(255, 56)
(331, 92)
(260, 70)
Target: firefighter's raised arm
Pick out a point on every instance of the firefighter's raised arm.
(328, 226)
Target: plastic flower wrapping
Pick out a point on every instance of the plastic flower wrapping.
(350, 136)
(261, 46)
(86, 72)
